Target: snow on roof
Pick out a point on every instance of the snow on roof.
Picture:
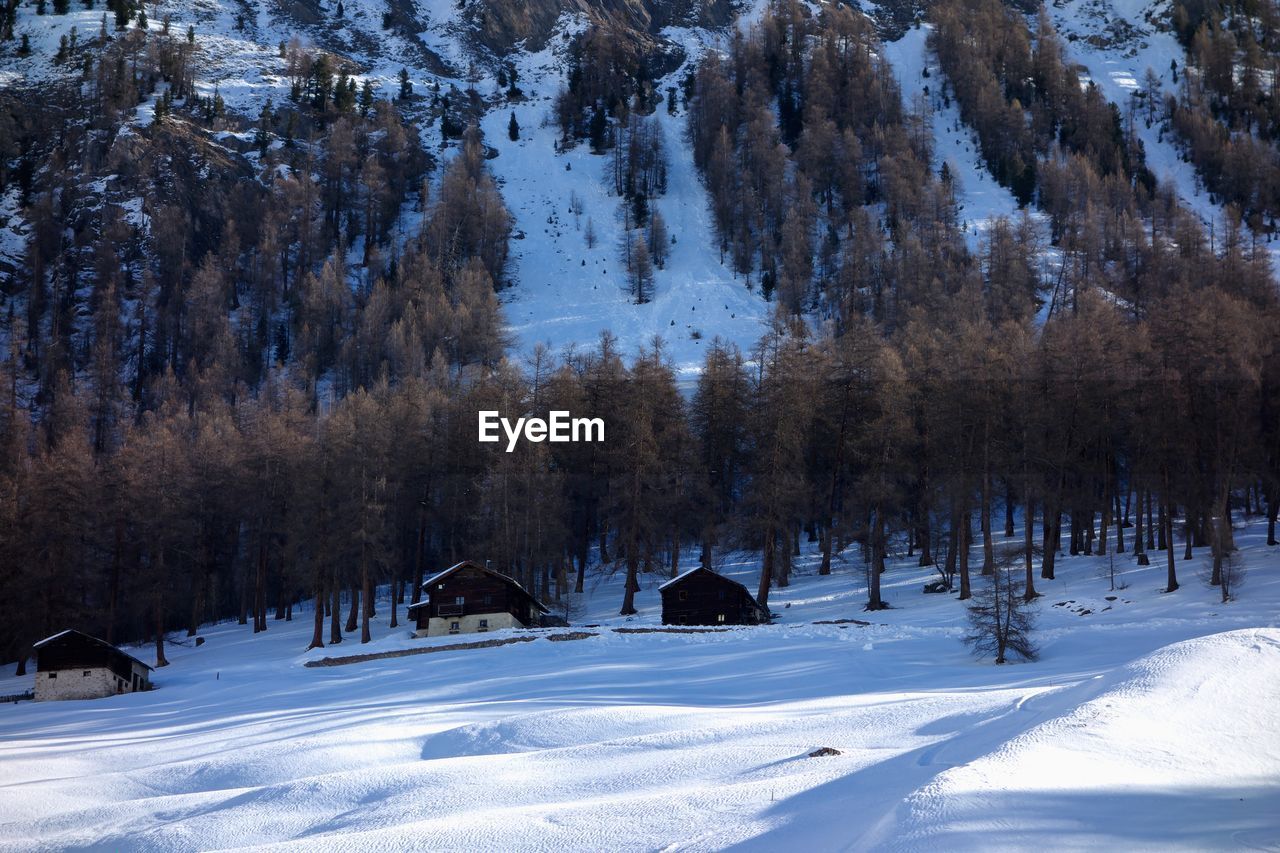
(679, 578)
(438, 575)
(92, 639)
(697, 569)
(488, 571)
(54, 637)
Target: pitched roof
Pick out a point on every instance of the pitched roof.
(697, 569)
(439, 576)
(81, 635)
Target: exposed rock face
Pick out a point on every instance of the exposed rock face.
(502, 25)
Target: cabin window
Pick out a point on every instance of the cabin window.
(439, 586)
(488, 599)
(461, 599)
(453, 627)
(484, 624)
(721, 595)
(53, 675)
(85, 674)
(720, 617)
(684, 595)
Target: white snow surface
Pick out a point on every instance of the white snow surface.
(567, 293)
(980, 198)
(1150, 722)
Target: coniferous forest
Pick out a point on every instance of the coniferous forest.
(256, 382)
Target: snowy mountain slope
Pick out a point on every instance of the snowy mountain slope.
(692, 741)
(1116, 42)
(565, 293)
(980, 199)
(568, 293)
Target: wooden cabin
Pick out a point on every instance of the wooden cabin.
(469, 599)
(702, 597)
(73, 665)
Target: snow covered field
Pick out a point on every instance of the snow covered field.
(1151, 722)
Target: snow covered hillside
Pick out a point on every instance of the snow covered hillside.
(1149, 723)
(569, 291)
(1116, 43)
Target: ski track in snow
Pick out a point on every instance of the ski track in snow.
(1149, 723)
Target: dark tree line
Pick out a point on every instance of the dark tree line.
(197, 340)
(236, 377)
(1110, 435)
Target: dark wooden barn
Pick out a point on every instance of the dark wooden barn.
(469, 598)
(74, 665)
(702, 597)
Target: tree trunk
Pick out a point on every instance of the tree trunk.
(157, 606)
(1164, 543)
(953, 545)
(1052, 530)
(877, 562)
(395, 588)
(1104, 528)
(924, 535)
(1138, 545)
(335, 611)
(260, 588)
(1167, 515)
(984, 521)
(1121, 520)
(784, 570)
(317, 628)
(244, 597)
(113, 584)
(1028, 538)
(353, 613)
(1151, 522)
(1189, 528)
(766, 568)
(1273, 509)
(419, 556)
(965, 592)
(367, 592)
(1008, 511)
(633, 581)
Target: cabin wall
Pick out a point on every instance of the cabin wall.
(92, 683)
(705, 599)
(478, 591)
(439, 626)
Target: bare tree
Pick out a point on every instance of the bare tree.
(1000, 619)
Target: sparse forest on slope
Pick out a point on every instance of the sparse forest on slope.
(244, 354)
(1226, 108)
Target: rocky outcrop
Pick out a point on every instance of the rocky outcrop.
(503, 25)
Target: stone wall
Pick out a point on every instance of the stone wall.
(440, 626)
(78, 684)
